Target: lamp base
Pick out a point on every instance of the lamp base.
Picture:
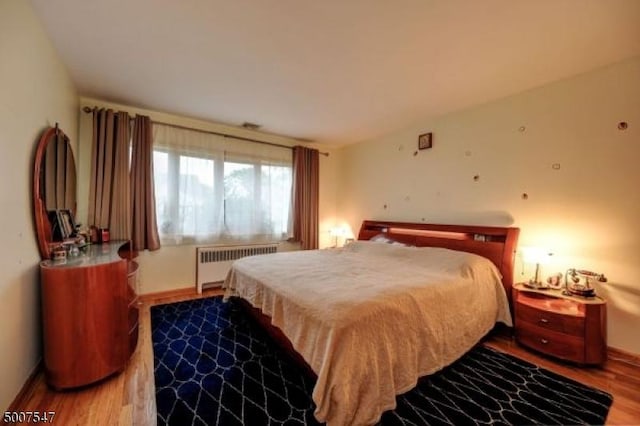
(537, 285)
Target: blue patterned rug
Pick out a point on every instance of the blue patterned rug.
(215, 366)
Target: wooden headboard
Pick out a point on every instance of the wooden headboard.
(495, 243)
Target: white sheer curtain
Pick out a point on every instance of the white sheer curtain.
(212, 189)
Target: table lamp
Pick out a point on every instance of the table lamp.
(335, 232)
(537, 255)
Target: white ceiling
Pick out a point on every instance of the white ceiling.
(334, 71)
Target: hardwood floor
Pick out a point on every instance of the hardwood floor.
(129, 398)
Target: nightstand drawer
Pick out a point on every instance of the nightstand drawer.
(551, 342)
(567, 324)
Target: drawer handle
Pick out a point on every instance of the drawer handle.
(544, 320)
(544, 341)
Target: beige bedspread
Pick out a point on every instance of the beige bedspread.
(371, 318)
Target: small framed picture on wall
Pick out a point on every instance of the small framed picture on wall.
(425, 141)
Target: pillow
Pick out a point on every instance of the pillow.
(376, 248)
(380, 238)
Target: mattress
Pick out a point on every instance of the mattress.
(371, 318)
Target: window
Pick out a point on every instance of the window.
(212, 189)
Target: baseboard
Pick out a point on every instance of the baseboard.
(20, 401)
(185, 291)
(624, 356)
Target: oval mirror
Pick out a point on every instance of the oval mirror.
(54, 187)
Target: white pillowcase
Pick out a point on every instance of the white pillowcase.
(381, 238)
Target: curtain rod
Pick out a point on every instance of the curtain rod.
(211, 132)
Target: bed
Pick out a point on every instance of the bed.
(369, 319)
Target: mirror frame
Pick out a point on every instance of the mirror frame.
(41, 218)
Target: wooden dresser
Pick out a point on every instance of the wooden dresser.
(567, 327)
(89, 315)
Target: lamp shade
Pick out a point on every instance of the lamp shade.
(535, 255)
(337, 231)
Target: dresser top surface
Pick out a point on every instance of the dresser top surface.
(92, 255)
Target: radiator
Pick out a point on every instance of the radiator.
(213, 263)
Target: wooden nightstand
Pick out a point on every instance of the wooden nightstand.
(566, 327)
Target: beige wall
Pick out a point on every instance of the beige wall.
(36, 93)
(173, 267)
(587, 212)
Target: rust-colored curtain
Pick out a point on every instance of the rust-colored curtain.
(143, 200)
(109, 182)
(306, 188)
